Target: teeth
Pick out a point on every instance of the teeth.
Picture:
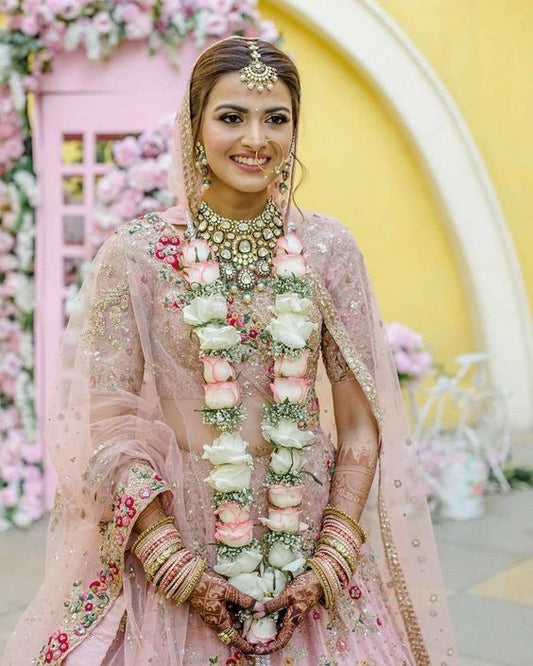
(250, 161)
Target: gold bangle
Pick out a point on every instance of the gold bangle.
(322, 579)
(187, 591)
(154, 567)
(333, 511)
(341, 549)
(149, 530)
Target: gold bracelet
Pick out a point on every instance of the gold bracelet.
(322, 579)
(333, 511)
(154, 566)
(341, 549)
(188, 589)
(164, 521)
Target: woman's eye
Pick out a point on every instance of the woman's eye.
(278, 120)
(231, 118)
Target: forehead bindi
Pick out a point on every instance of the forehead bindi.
(229, 91)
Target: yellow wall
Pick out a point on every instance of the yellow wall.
(363, 170)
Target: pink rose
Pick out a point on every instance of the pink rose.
(202, 272)
(103, 23)
(282, 520)
(217, 369)
(196, 251)
(9, 496)
(29, 25)
(151, 144)
(234, 534)
(126, 151)
(220, 395)
(128, 203)
(289, 244)
(287, 265)
(284, 366)
(143, 175)
(231, 512)
(284, 497)
(31, 453)
(293, 389)
(110, 186)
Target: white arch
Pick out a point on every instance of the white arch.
(376, 46)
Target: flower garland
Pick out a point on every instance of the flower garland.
(261, 570)
(36, 32)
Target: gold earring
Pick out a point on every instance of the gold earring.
(202, 164)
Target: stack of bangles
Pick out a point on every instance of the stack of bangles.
(338, 548)
(170, 566)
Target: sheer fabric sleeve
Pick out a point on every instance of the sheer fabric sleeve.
(336, 367)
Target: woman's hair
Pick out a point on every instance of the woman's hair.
(231, 55)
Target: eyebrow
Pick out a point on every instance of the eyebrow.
(243, 109)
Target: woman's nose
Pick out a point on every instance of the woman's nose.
(255, 136)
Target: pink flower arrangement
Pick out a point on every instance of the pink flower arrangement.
(412, 361)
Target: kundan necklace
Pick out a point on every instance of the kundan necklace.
(244, 248)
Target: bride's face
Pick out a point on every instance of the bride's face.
(236, 123)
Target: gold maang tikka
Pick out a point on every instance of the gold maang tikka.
(258, 75)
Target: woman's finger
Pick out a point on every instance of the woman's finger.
(279, 602)
(235, 596)
(242, 645)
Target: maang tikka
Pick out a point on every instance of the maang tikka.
(258, 75)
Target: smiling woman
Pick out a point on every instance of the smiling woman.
(202, 515)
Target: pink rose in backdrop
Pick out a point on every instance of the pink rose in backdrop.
(152, 144)
(221, 395)
(110, 186)
(202, 272)
(126, 152)
(9, 496)
(127, 203)
(293, 389)
(103, 23)
(143, 175)
(407, 346)
(217, 369)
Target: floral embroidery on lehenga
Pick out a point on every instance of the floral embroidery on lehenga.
(86, 606)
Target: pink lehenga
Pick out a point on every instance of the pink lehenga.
(125, 427)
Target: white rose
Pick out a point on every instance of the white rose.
(291, 302)
(285, 460)
(288, 265)
(228, 448)
(246, 562)
(286, 433)
(196, 250)
(292, 330)
(262, 630)
(214, 337)
(205, 308)
(250, 583)
(275, 581)
(279, 555)
(229, 477)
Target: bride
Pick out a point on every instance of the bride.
(202, 515)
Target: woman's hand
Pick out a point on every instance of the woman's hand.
(210, 599)
(298, 598)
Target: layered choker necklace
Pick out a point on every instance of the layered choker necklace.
(244, 248)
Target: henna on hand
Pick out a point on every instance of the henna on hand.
(210, 599)
(298, 598)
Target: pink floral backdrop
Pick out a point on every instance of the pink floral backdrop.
(38, 32)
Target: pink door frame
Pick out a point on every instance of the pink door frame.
(129, 94)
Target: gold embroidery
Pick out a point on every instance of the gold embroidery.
(108, 307)
(336, 367)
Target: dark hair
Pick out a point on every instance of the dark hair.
(231, 55)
